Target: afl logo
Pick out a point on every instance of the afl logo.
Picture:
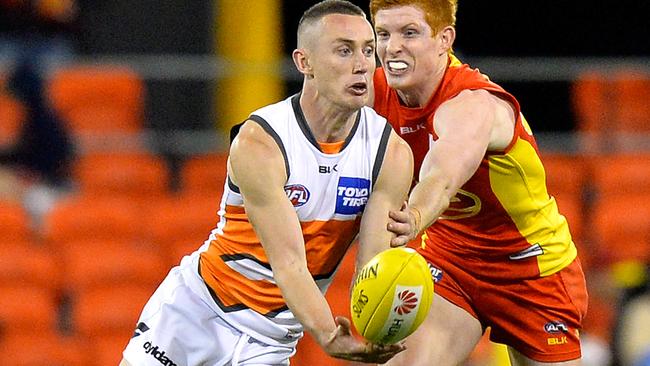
(297, 194)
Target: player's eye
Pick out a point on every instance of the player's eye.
(344, 51)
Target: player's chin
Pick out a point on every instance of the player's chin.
(397, 81)
(356, 101)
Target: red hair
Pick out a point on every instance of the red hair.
(437, 13)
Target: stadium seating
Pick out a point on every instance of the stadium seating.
(632, 88)
(27, 309)
(566, 174)
(90, 217)
(29, 264)
(107, 350)
(611, 109)
(98, 262)
(589, 93)
(204, 174)
(15, 223)
(45, 348)
(621, 174)
(12, 115)
(98, 100)
(109, 310)
(180, 224)
(622, 227)
(137, 176)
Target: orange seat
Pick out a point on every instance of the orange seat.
(107, 350)
(632, 88)
(25, 263)
(109, 310)
(565, 174)
(205, 174)
(27, 309)
(44, 348)
(15, 223)
(87, 217)
(621, 224)
(12, 115)
(589, 92)
(621, 174)
(97, 262)
(176, 250)
(186, 219)
(135, 176)
(98, 100)
(611, 110)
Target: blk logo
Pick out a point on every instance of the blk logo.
(408, 302)
(557, 341)
(325, 169)
(405, 130)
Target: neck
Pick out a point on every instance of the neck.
(328, 122)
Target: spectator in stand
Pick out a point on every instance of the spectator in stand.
(37, 29)
(39, 161)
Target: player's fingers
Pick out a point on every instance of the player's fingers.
(399, 216)
(343, 321)
(398, 241)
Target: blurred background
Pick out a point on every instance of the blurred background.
(114, 124)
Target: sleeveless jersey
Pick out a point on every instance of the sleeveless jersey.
(329, 193)
(503, 214)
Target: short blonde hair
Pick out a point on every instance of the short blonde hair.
(438, 13)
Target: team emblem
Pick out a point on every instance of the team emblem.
(297, 194)
(408, 302)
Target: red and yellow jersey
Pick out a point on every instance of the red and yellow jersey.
(504, 213)
(328, 187)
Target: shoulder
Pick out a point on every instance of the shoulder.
(253, 153)
(399, 148)
(252, 139)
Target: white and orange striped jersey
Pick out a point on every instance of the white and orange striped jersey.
(328, 190)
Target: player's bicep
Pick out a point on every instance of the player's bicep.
(257, 167)
(463, 125)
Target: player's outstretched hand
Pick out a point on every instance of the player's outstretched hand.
(404, 224)
(342, 344)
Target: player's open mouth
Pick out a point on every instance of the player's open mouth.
(396, 67)
(359, 88)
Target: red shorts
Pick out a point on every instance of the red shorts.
(539, 317)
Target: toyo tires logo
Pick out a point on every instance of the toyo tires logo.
(352, 195)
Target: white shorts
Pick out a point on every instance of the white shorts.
(177, 328)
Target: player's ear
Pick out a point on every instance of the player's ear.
(447, 37)
(301, 60)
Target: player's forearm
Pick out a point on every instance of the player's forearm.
(305, 301)
(429, 199)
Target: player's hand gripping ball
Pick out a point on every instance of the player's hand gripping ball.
(391, 295)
